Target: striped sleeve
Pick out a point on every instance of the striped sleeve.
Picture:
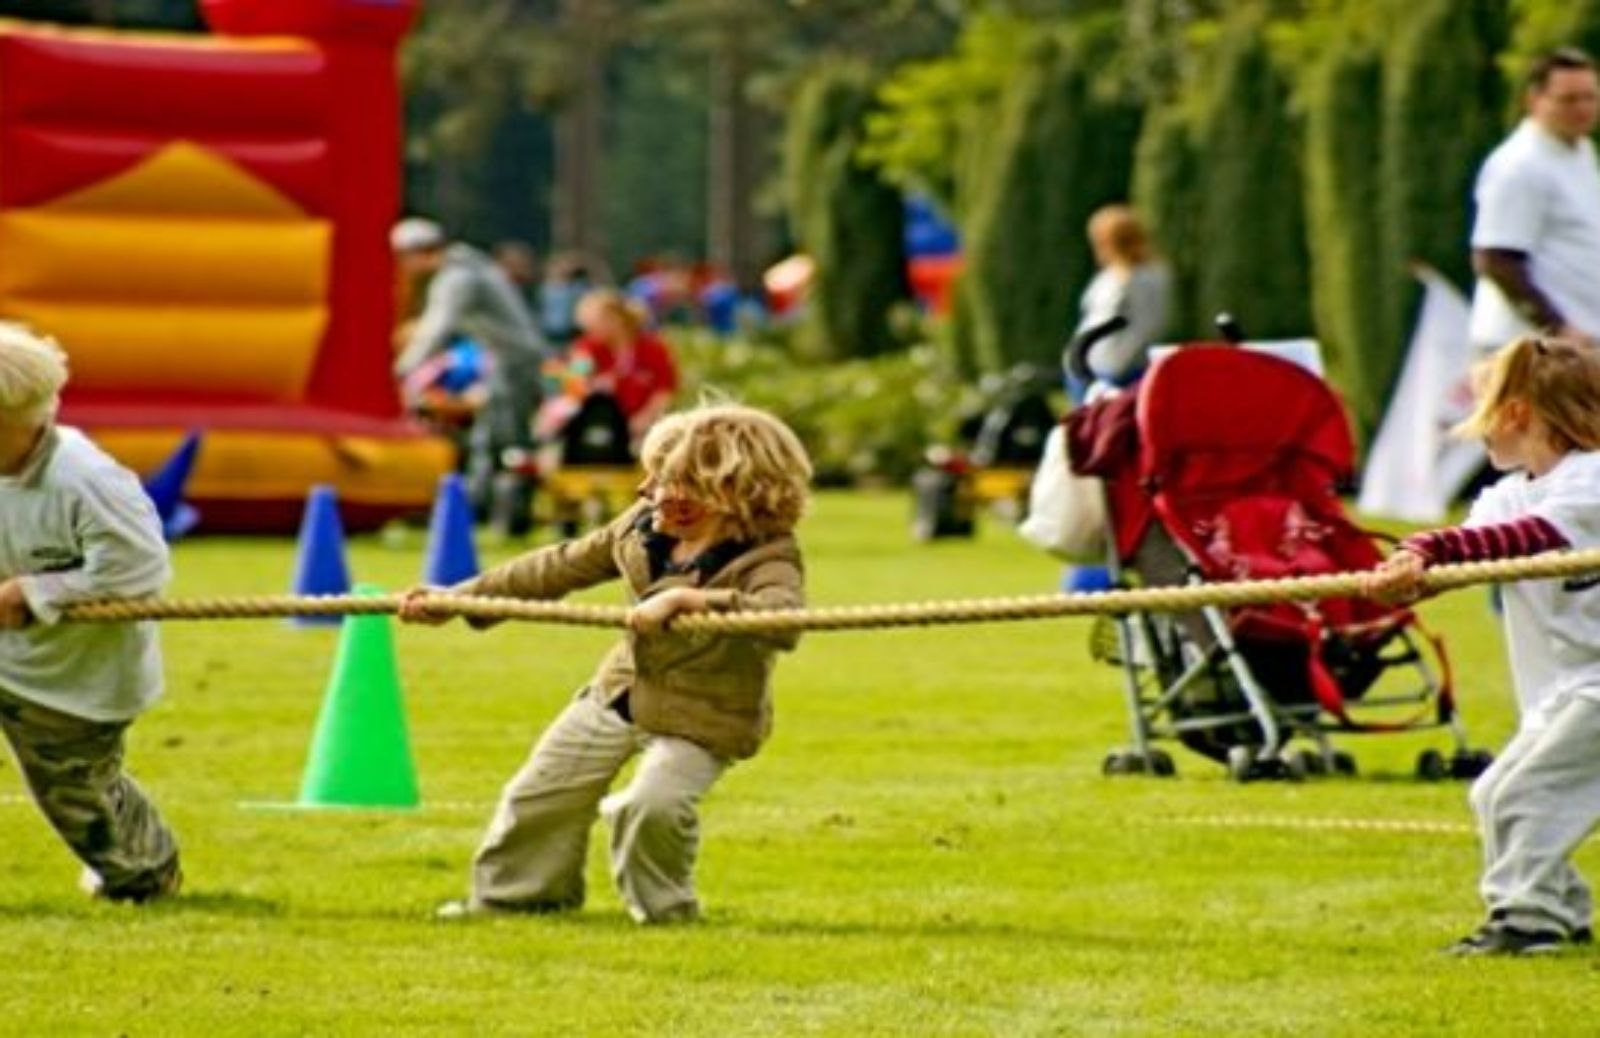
(1529, 535)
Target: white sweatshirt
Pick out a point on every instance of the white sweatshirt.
(76, 526)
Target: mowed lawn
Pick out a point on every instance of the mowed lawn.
(926, 847)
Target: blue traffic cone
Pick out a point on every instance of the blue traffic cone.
(452, 557)
(320, 567)
(165, 488)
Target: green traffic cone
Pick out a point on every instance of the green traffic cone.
(361, 754)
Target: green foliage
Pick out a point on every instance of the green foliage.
(1443, 95)
(1167, 193)
(479, 151)
(1057, 153)
(845, 217)
(863, 420)
(1543, 25)
(123, 14)
(1252, 259)
(930, 111)
(655, 167)
(1344, 203)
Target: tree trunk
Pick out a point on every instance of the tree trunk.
(733, 234)
(580, 134)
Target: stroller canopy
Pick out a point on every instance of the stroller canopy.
(1224, 418)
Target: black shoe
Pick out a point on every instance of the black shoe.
(1497, 938)
(1582, 935)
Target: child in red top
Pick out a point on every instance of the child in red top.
(624, 358)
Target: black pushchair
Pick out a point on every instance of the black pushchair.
(1001, 443)
(582, 462)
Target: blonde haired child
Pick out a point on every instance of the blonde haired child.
(78, 526)
(1538, 413)
(724, 487)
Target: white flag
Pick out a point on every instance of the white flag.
(1415, 468)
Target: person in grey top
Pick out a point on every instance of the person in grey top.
(76, 526)
(469, 295)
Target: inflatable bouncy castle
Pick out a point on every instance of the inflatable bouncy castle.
(202, 222)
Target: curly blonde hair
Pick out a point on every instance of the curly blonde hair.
(743, 462)
(32, 371)
(1558, 379)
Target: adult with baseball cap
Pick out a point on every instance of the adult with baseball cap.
(469, 294)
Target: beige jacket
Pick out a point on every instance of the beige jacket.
(714, 690)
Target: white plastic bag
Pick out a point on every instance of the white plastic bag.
(1066, 511)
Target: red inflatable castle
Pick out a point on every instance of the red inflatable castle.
(202, 222)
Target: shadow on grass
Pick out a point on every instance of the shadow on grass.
(218, 903)
(221, 902)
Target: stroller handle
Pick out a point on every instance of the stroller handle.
(1078, 348)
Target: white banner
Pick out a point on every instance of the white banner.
(1415, 468)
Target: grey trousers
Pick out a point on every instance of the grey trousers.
(532, 857)
(74, 771)
(506, 421)
(1535, 804)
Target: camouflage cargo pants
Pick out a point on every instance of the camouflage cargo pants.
(73, 768)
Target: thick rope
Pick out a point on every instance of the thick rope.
(840, 618)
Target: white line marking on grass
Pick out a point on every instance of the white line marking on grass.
(473, 806)
(1387, 825)
(455, 806)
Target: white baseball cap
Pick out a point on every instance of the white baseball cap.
(416, 234)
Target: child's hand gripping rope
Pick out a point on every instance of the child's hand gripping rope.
(1398, 580)
(415, 607)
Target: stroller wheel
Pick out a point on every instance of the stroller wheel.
(1241, 763)
(1132, 762)
(1121, 762)
(1431, 766)
(1307, 763)
(1344, 764)
(1469, 764)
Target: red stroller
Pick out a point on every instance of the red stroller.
(1225, 464)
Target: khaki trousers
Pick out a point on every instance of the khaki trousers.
(1535, 804)
(73, 768)
(532, 857)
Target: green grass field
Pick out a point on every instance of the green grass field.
(926, 847)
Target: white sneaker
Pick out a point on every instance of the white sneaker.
(455, 910)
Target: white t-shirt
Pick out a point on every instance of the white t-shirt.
(1552, 626)
(1540, 196)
